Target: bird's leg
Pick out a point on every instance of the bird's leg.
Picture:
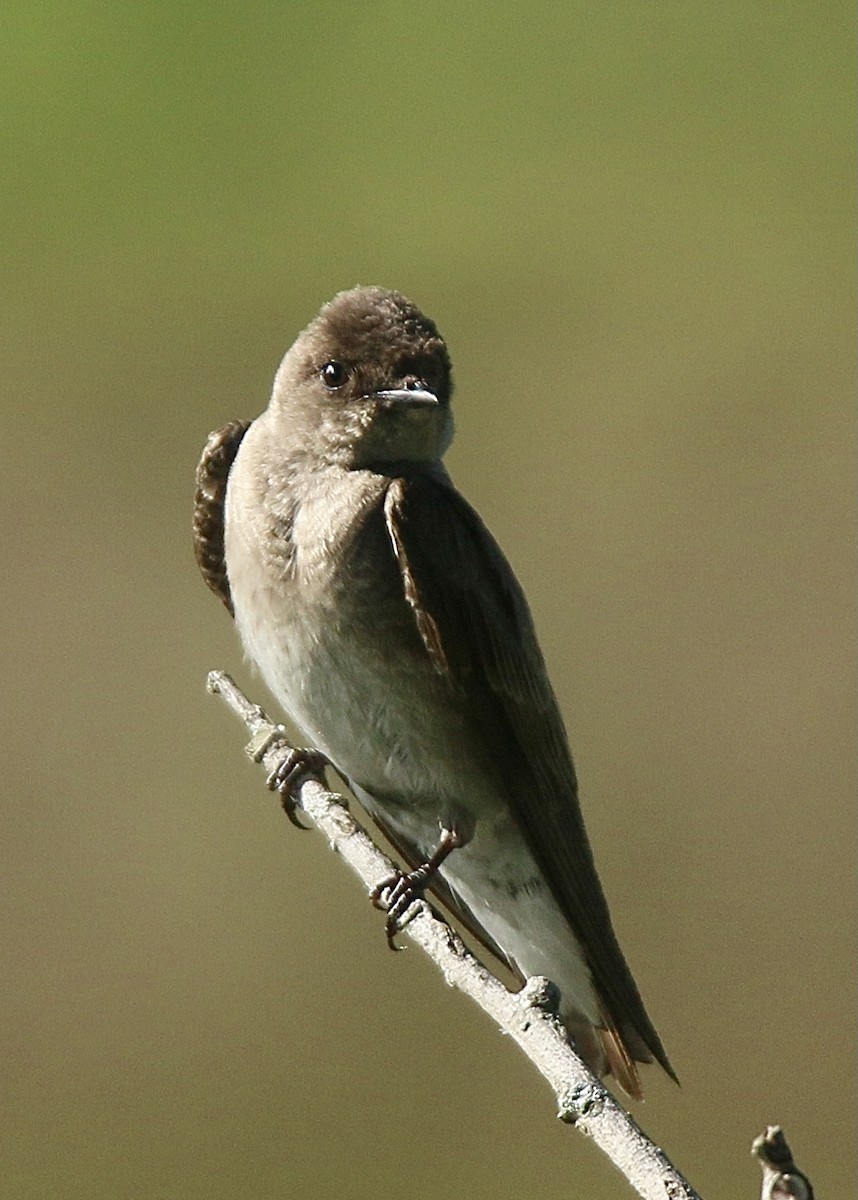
(399, 892)
(290, 770)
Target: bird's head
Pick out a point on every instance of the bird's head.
(368, 383)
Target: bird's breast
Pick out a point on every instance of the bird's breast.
(321, 610)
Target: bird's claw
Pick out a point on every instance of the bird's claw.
(288, 774)
(294, 764)
(395, 896)
(399, 892)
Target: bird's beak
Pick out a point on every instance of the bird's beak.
(408, 397)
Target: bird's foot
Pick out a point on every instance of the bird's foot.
(289, 773)
(397, 894)
(294, 764)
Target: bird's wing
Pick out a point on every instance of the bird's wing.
(212, 473)
(476, 626)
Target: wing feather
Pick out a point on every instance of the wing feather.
(212, 472)
(474, 619)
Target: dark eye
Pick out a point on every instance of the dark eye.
(334, 374)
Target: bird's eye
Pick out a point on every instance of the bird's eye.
(334, 375)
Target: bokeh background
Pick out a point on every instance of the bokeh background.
(634, 224)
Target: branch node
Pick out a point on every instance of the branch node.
(782, 1180)
(263, 740)
(540, 993)
(581, 1102)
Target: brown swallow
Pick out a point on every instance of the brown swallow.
(389, 625)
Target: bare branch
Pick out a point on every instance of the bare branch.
(782, 1180)
(528, 1017)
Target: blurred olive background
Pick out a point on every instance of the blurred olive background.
(633, 222)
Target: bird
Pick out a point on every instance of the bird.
(386, 621)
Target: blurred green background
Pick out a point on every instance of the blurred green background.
(634, 224)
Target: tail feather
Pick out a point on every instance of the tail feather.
(620, 1062)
